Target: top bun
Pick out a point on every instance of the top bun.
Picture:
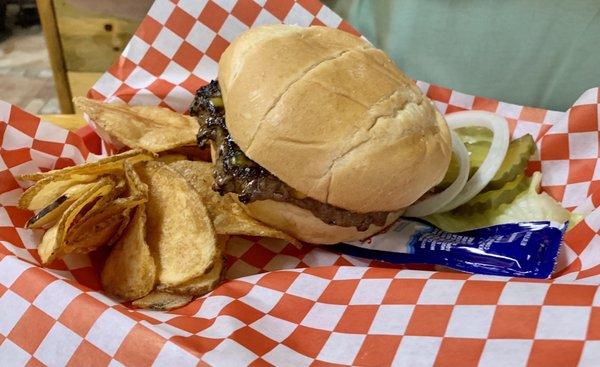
(332, 117)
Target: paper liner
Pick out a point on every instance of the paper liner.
(289, 306)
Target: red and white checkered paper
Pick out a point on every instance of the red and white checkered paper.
(282, 305)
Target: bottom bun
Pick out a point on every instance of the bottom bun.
(303, 225)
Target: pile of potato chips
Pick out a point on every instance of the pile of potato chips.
(153, 205)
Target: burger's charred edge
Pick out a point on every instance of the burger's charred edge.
(234, 172)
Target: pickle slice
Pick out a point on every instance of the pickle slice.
(477, 153)
(477, 140)
(530, 205)
(52, 212)
(519, 152)
(474, 134)
(494, 198)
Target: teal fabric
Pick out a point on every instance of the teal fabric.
(541, 53)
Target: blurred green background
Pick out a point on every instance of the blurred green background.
(541, 53)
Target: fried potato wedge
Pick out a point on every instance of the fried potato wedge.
(50, 243)
(108, 218)
(138, 193)
(207, 282)
(49, 189)
(153, 128)
(129, 272)
(111, 164)
(101, 227)
(104, 200)
(116, 235)
(136, 187)
(201, 285)
(52, 212)
(96, 232)
(180, 234)
(225, 211)
(53, 242)
(162, 301)
(51, 185)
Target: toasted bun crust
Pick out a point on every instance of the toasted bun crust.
(332, 117)
(303, 225)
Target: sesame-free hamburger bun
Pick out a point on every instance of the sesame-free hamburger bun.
(334, 118)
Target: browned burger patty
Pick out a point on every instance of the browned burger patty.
(236, 173)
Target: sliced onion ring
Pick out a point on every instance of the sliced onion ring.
(492, 161)
(434, 203)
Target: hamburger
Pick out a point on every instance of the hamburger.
(318, 133)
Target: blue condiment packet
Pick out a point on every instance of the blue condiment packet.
(526, 249)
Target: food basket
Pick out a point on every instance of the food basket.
(284, 305)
